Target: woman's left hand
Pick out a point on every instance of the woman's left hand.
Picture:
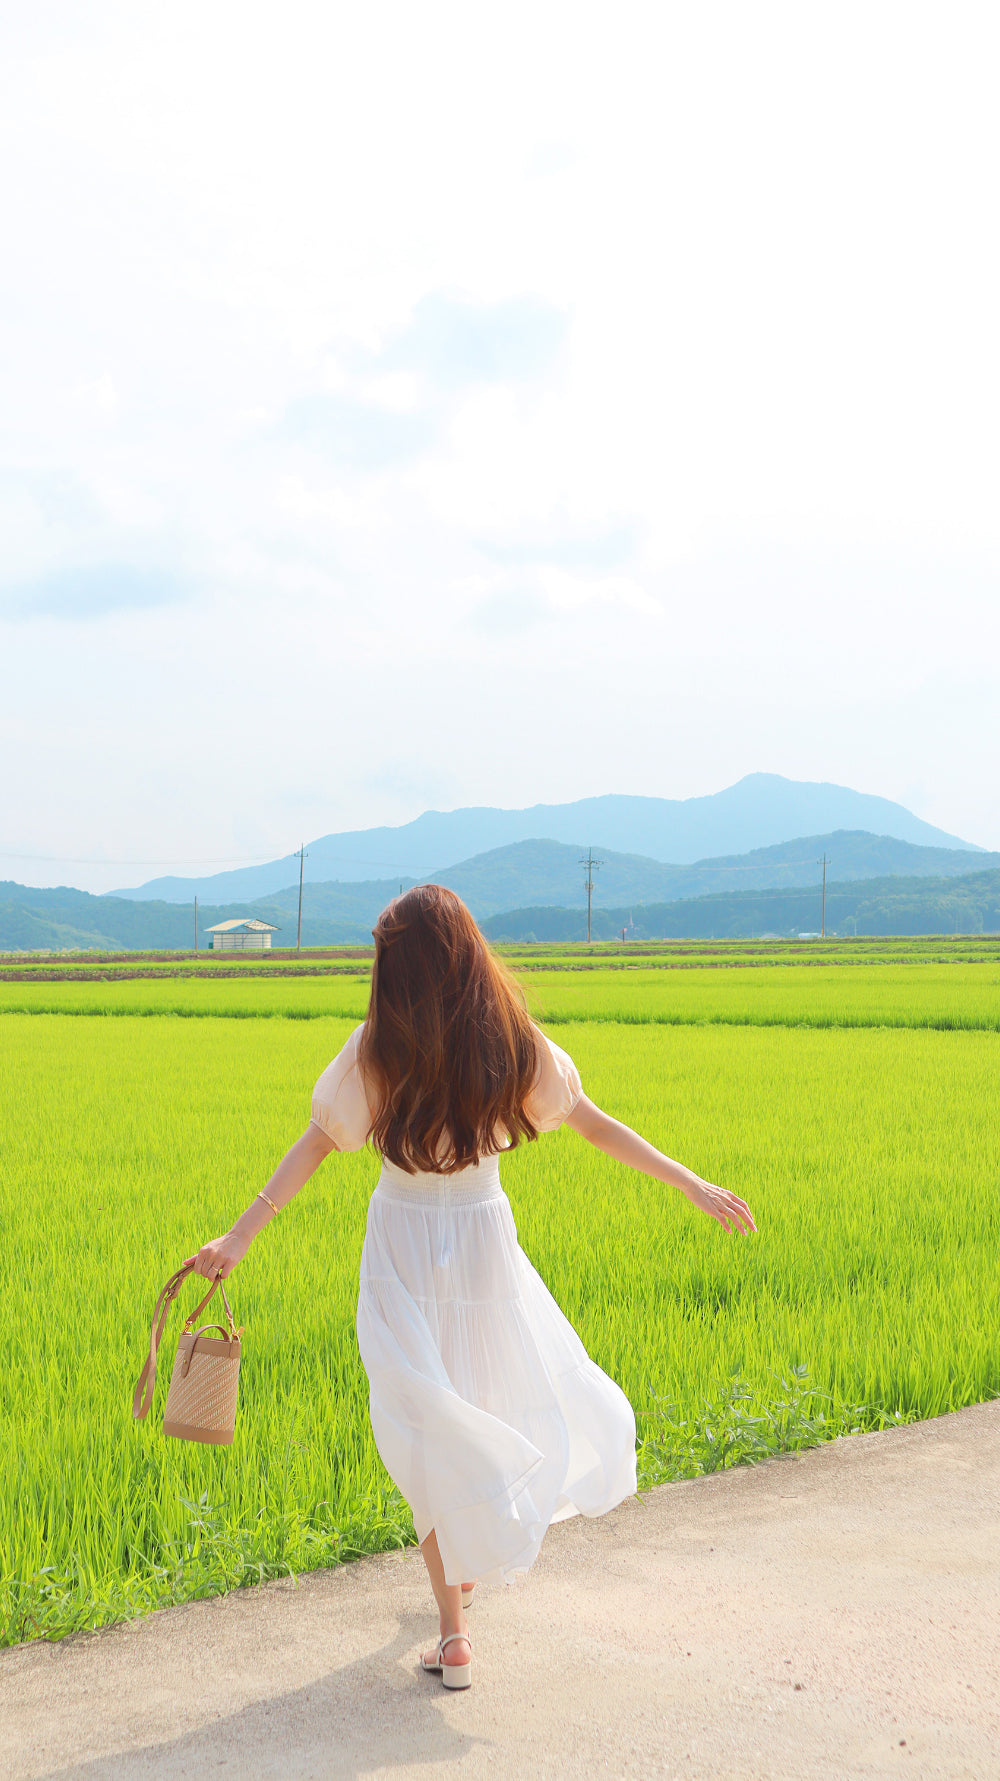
(732, 1213)
(220, 1257)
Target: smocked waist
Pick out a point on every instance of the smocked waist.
(481, 1181)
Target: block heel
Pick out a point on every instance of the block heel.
(452, 1675)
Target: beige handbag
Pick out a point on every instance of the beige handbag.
(201, 1402)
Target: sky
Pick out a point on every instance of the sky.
(409, 407)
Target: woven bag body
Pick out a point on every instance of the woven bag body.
(201, 1401)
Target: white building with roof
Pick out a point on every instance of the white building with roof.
(243, 935)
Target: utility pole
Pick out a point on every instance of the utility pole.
(592, 866)
(196, 924)
(302, 865)
(824, 862)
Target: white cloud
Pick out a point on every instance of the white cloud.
(98, 394)
(345, 508)
(84, 591)
(570, 593)
(398, 391)
(455, 390)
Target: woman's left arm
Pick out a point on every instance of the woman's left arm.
(293, 1171)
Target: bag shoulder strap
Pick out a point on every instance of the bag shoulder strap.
(142, 1397)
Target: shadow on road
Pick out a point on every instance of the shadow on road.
(362, 1717)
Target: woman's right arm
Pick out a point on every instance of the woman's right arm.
(292, 1172)
(626, 1146)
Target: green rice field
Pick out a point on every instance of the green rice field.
(851, 1101)
(897, 993)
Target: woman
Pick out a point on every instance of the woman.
(486, 1409)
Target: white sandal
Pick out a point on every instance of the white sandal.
(452, 1675)
(467, 1595)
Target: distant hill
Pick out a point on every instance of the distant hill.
(967, 905)
(522, 878)
(762, 810)
(540, 872)
(31, 919)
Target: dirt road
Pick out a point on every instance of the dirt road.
(834, 1614)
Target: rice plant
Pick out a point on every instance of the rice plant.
(870, 1294)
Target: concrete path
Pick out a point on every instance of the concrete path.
(832, 1614)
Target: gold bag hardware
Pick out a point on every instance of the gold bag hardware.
(201, 1401)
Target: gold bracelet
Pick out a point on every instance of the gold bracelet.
(275, 1209)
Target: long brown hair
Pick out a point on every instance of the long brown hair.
(448, 1050)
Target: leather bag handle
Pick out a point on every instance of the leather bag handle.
(205, 1330)
(142, 1397)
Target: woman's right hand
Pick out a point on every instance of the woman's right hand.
(221, 1256)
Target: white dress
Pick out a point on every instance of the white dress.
(487, 1411)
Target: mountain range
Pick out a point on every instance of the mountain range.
(547, 872)
(538, 887)
(965, 905)
(761, 810)
(661, 864)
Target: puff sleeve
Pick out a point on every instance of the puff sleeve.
(339, 1105)
(557, 1087)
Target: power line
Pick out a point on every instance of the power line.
(244, 859)
(74, 859)
(71, 859)
(352, 859)
(334, 859)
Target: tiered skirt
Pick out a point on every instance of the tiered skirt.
(487, 1411)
